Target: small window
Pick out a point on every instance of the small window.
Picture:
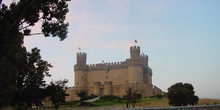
(77, 83)
(82, 77)
(106, 77)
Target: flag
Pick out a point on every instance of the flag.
(135, 41)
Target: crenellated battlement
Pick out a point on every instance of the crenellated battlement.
(81, 54)
(81, 60)
(112, 65)
(135, 49)
(107, 65)
(143, 55)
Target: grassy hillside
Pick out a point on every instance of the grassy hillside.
(115, 103)
(143, 103)
(164, 102)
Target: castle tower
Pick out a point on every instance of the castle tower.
(135, 69)
(80, 70)
(108, 88)
(147, 71)
(144, 60)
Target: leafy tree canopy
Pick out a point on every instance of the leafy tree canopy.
(181, 94)
(82, 93)
(21, 72)
(56, 91)
(133, 93)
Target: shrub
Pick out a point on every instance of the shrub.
(111, 97)
(159, 96)
(153, 96)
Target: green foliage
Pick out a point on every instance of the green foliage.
(29, 78)
(26, 13)
(22, 72)
(56, 91)
(110, 97)
(132, 95)
(83, 94)
(108, 100)
(149, 99)
(181, 94)
(21, 106)
(159, 96)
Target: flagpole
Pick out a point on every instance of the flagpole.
(79, 49)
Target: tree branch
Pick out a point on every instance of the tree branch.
(19, 16)
(33, 34)
(24, 27)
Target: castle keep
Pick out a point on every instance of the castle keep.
(113, 78)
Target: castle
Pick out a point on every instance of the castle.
(113, 78)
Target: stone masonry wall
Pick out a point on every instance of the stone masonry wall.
(110, 78)
(117, 76)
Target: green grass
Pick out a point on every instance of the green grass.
(149, 99)
(108, 102)
(120, 103)
(71, 104)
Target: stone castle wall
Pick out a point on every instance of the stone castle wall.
(117, 90)
(117, 76)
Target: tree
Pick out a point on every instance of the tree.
(181, 94)
(16, 22)
(56, 92)
(82, 93)
(29, 83)
(132, 94)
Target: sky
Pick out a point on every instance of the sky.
(180, 37)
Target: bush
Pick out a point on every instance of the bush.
(111, 97)
(139, 96)
(182, 94)
(153, 96)
(21, 106)
(85, 104)
(159, 96)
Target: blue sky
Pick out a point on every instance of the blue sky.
(181, 38)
